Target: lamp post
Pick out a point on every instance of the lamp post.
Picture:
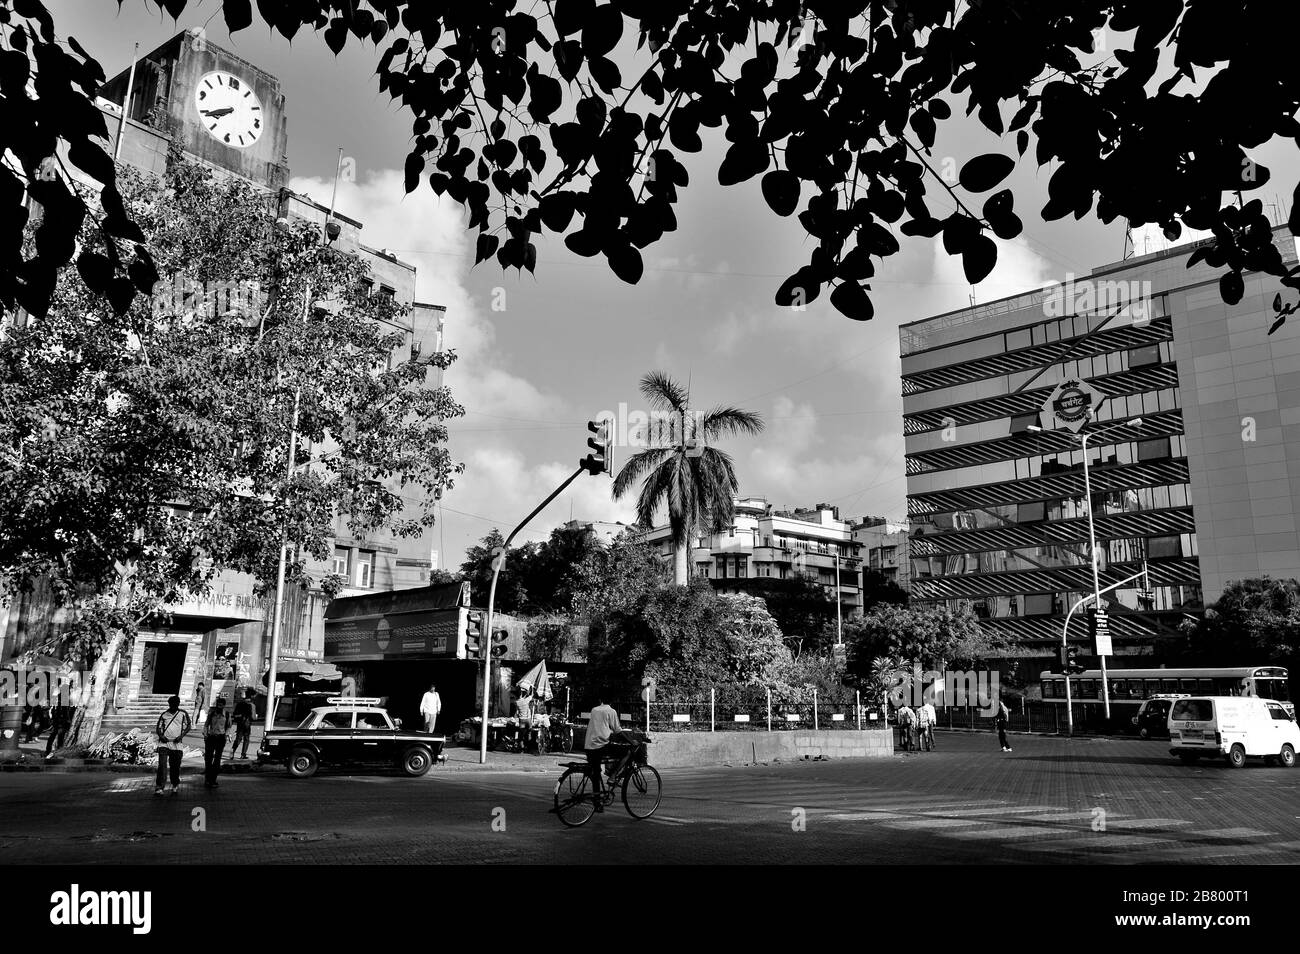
(1092, 553)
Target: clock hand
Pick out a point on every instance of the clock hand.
(214, 113)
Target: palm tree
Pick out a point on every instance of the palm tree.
(697, 486)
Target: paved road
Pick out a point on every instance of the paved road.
(1049, 801)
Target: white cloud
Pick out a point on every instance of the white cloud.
(429, 232)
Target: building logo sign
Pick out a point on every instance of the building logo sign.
(1070, 405)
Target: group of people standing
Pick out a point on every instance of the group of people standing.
(917, 726)
(175, 724)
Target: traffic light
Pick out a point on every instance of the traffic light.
(603, 445)
(474, 634)
(1072, 660)
(499, 637)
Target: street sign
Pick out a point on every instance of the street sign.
(279, 688)
(1070, 405)
(1101, 635)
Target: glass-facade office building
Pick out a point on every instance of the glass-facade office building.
(1204, 488)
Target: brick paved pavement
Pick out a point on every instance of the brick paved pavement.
(964, 803)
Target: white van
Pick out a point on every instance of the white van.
(1234, 727)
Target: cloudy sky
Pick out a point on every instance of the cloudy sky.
(540, 355)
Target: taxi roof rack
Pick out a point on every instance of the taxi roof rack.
(353, 700)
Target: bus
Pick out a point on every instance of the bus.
(1129, 688)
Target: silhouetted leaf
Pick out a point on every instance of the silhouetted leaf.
(1231, 287)
(979, 258)
(625, 261)
(781, 190)
(984, 172)
(851, 300)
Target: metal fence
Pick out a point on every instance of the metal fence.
(748, 713)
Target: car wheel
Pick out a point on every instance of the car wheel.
(416, 761)
(1237, 756)
(1287, 758)
(303, 763)
(1189, 758)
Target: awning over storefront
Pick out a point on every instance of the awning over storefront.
(308, 671)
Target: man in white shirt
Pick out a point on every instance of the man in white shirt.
(171, 729)
(906, 719)
(430, 706)
(603, 723)
(926, 718)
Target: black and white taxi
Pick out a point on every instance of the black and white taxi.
(351, 732)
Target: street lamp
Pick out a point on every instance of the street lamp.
(1092, 542)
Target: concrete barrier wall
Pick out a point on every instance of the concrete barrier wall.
(713, 748)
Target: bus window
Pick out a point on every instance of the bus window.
(1205, 687)
(1049, 689)
(1088, 688)
(1150, 688)
(1272, 689)
(1168, 685)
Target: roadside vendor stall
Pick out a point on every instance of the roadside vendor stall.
(533, 728)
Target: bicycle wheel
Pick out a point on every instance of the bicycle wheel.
(641, 791)
(573, 798)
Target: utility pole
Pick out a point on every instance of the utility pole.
(497, 564)
(126, 104)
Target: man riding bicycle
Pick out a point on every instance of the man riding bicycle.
(925, 721)
(603, 723)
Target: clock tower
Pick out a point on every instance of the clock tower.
(226, 111)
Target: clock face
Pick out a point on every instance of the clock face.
(229, 109)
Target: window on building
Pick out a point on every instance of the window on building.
(1038, 604)
(387, 291)
(1140, 357)
(368, 286)
(1020, 423)
(343, 562)
(1158, 547)
(1030, 512)
(1153, 450)
(365, 568)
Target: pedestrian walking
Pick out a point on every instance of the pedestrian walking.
(200, 700)
(214, 741)
(906, 720)
(243, 720)
(430, 706)
(1000, 720)
(926, 718)
(173, 725)
(59, 729)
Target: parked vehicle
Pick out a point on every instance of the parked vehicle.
(349, 732)
(1234, 727)
(1152, 718)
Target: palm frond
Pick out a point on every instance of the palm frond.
(656, 491)
(663, 393)
(637, 466)
(723, 421)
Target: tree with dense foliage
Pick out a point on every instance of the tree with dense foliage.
(689, 639)
(612, 579)
(551, 575)
(528, 120)
(802, 608)
(921, 637)
(695, 485)
(1253, 622)
(878, 588)
(480, 559)
(144, 450)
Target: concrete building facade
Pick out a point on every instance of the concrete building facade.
(1194, 448)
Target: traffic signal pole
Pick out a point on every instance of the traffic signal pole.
(1065, 634)
(497, 564)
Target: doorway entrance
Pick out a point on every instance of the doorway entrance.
(164, 665)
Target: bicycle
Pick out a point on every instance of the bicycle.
(638, 781)
(926, 733)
